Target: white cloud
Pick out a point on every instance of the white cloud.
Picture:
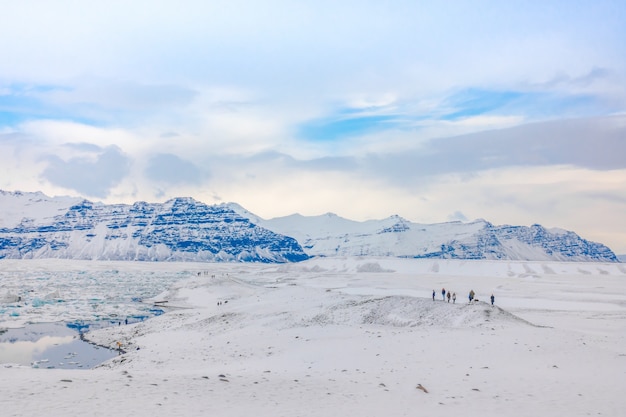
(224, 87)
(490, 122)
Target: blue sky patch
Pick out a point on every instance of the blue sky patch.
(532, 105)
(11, 119)
(471, 102)
(21, 103)
(332, 129)
(474, 102)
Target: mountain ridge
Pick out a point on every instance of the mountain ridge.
(34, 225)
(180, 229)
(332, 235)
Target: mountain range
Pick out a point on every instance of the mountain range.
(33, 225)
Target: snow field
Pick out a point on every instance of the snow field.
(334, 337)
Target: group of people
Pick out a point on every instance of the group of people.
(452, 295)
(444, 294)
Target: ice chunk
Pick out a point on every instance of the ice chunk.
(10, 298)
(55, 295)
(37, 302)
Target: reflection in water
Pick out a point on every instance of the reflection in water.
(50, 345)
(26, 352)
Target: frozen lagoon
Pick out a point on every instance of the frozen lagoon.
(81, 291)
(44, 310)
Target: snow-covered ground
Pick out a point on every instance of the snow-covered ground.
(333, 336)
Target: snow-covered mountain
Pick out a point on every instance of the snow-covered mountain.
(33, 225)
(331, 235)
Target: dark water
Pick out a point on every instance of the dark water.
(50, 345)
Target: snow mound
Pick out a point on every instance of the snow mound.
(404, 311)
(372, 267)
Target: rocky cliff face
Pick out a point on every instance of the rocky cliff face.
(181, 229)
(527, 243)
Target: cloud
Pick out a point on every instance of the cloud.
(88, 176)
(170, 169)
(457, 216)
(364, 109)
(593, 143)
(84, 147)
(94, 101)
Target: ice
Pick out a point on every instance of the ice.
(36, 302)
(9, 298)
(81, 294)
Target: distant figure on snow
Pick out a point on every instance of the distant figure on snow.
(492, 299)
(443, 294)
(453, 298)
(433, 295)
(448, 295)
(471, 295)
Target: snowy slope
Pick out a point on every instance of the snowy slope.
(331, 235)
(37, 207)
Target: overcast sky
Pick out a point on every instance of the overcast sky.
(511, 111)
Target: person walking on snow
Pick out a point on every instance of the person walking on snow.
(448, 295)
(492, 299)
(454, 298)
(471, 295)
(443, 294)
(433, 295)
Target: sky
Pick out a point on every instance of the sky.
(513, 112)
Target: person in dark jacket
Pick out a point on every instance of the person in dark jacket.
(493, 299)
